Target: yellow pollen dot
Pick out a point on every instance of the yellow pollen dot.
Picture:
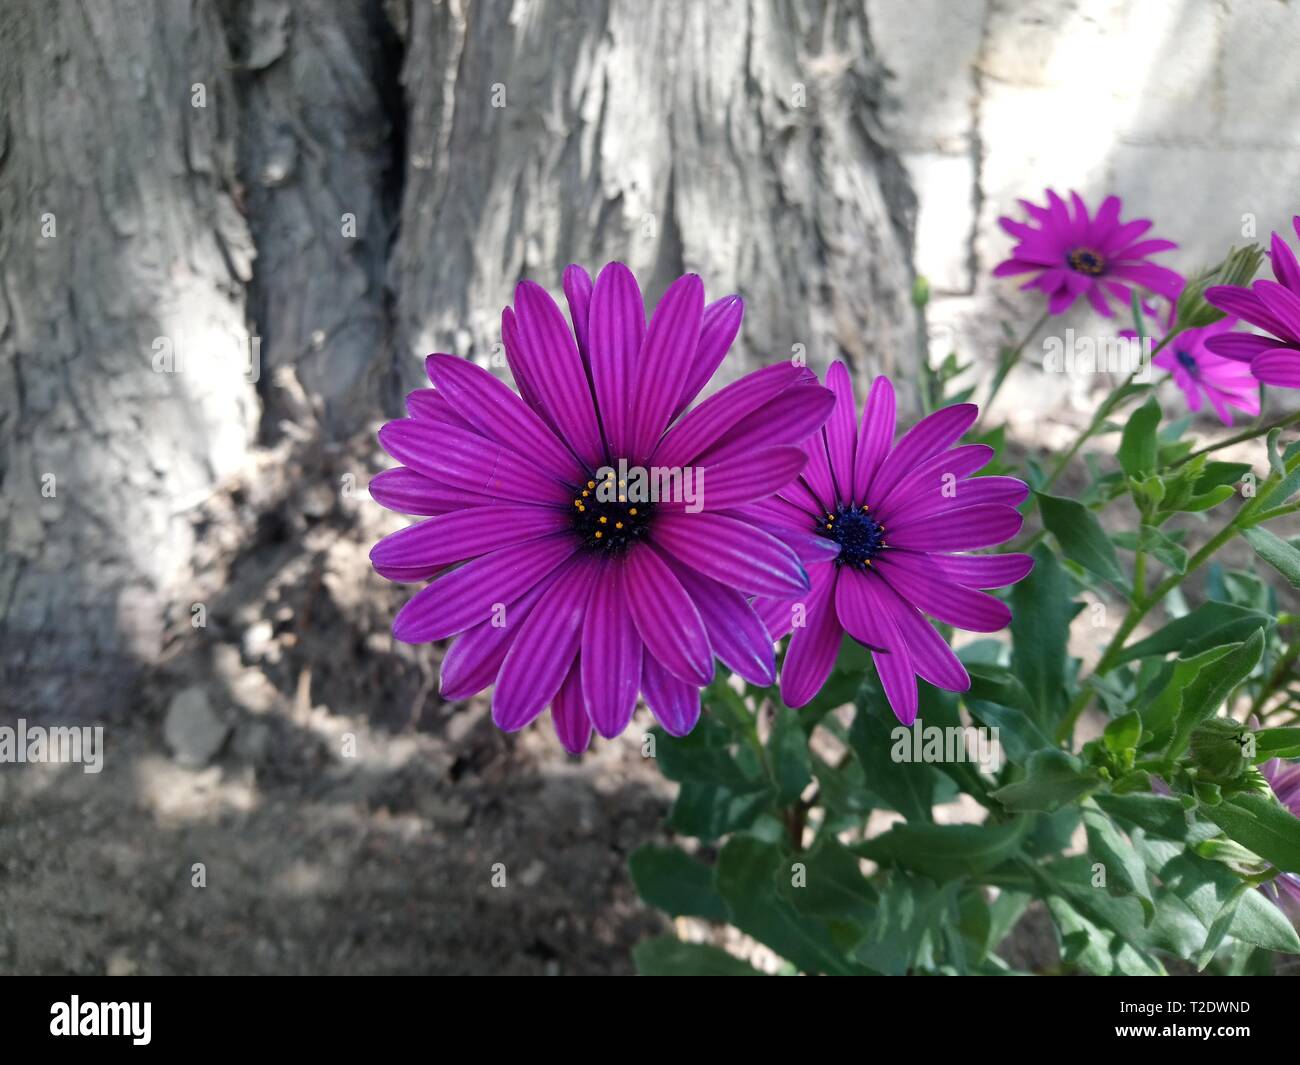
(604, 520)
(578, 503)
(828, 526)
(585, 493)
(632, 511)
(618, 525)
(599, 534)
(591, 484)
(622, 484)
(622, 498)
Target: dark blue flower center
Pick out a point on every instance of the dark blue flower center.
(606, 521)
(1186, 360)
(1087, 261)
(859, 535)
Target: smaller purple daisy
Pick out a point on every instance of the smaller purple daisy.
(1073, 254)
(1273, 306)
(1284, 779)
(882, 527)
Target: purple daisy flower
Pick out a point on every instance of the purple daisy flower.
(1073, 254)
(559, 586)
(886, 520)
(1200, 373)
(1284, 779)
(1273, 306)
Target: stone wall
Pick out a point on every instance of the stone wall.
(1187, 109)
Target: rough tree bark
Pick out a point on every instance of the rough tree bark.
(737, 139)
(179, 178)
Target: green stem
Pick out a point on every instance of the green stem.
(1008, 362)
(1140, 607)
(1240, 438)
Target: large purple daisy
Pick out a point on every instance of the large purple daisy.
(563, 583)
(1073, 254)
(1284, 779)
(1273, 306)
(886, 520)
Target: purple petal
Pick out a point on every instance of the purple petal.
(930, 656)
(937, 477)
(666, 617)
(670, 345)
(577, 292)
(494, 411)
(674, 703)
(927, 437)
(1009, 491)
(740, 556)
(556, 371)
(1285, 267)
(961, 530)
(543, 652)
(474, 658)
(569, 716)
(617, 333)
(465, 534)
(1244, 304)
(814, 645)
(742, 479)
(430, 405)
(462, 459)
(875, 437)
(983, 571)
(841, 430)
(1280, 367)
(926, 587)
(611, 653)
(717, 331)
(735, 632)
(407, 492)
(861, 610)
(792, 418)
(711, 421)
(1240, 347)
(468, 595)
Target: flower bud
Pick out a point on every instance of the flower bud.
(1238, 268)
(1218, 750)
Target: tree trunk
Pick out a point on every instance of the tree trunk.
(226, 216)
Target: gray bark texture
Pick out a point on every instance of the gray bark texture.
(231, 229)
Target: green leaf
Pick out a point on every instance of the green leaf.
(1123, 733)
(1204, 695)
(833, 886)
(703, 757)
(709, 811)
(746, 878)
(1204, 887)
(788, 748)
(907, 787)
(1279, 554)
(1260, 824)
(1210, 625)
(1052, 779)
(666, 956)
(1137, 446)
(1277, 743)
(1216, 474)
(673, 881)
(1159, 815)
(1041, 612)
(1081, 537)
(944, 852)
(1154, 542)
(1125, 873)
(904, 934)
(998, 700)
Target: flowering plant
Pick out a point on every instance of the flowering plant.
(864, 787)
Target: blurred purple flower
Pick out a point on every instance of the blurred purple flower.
(1073, 254)
(558, 591)
(1273, 306)
(1284, 779)
(885, 518)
